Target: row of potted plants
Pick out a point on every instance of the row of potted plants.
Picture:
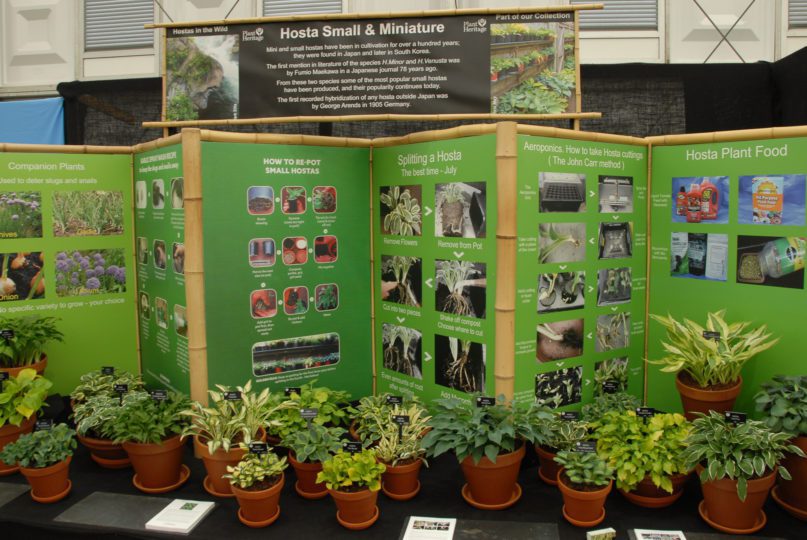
(501, 67)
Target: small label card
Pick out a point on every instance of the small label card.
(735, 417)
(585, 446)
(121, 388)
(429, 528)
(43, 424)
(309, 413)
(610, 387)
(394, 400)
(7, 334)
(258, 448)
(570, 416)
(645, 412)
(3, 377)
(711, 335)
(401, 420)
(351, 446)
(232, 395)
(485, 401)
(159, 395)
(107, 370)
(289, 390)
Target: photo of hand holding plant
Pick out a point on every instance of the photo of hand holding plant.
(461, 288)
(400, 279)
(402, 350)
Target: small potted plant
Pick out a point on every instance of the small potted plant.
(21, 397)
(737, 465)
(585, 482)
(103, 382)
(333, 410)
(602, 404)
(23, 340)
(44, 459)
(708, 362)
(353, 480)
(308, 448)
(783, 404)
(256, 482)
(563, 435)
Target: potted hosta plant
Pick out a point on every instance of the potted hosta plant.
(646, 455)
(95, 425)
(353, 480)
(585, 482)
(708, 361)
(563, 435)
(783, 404)
(44, 459)
(737, 465)
(150, 426)
(333, 409)
(308, 448)
(102, 382)
(256, 482)
(21, 397)
(22, 342)
(600, 405)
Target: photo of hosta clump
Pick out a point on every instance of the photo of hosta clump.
(400, 210)
(559, 340)
(323, 199)
(178, 256)
(561, 291)
(460, 210)
(295, 300)
(460, 364)
(80, 273)
(141, 194)
(20, 214)
(614, 286)
(158, 194)
(616, 240)
(293, 354)
(611, 376)
(326, 297)
(180, 321)
(177, 193)
(403, 350)
(161, 312)
(145, 306)
(293, 199)
(263, 303)
(613, 332)
(561, 192)
(325, 249)
(262, 252)
(22, 277)
(461, 288)
(87, 213)
(260, 200)
(401, 278)
(561, 242)
(559, 388)
(160, 258)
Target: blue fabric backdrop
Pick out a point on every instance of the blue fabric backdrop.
(32, 121)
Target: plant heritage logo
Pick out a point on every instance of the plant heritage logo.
(480, 25)
(253, 35)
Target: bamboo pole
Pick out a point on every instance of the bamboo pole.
(372, 278)
(64, 149)
(729, 136)
(276, 138)
(157, 143)
(578, 92)
(558, 133)
(648, 259)
(471, 130)
(133, 210)
(164, 76)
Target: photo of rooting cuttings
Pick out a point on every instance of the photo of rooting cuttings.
(160, 256)
(22, 277)
(559, 340)
(141, 194)
(323, 199)
(561, 291)
(177, 193)
(614, 286)
(294, 250)
(20, 214)
(402, 350)
(158, 194)
(92, 271)
(161, 312)
(295, 300)
(262, 252)
(178, 257)
(180, 320)
(401, 278)
(294, 354)
(461, 288)
(326, 297)
(142, 250)
(616, 194)
(561, 242)
(87, 213)
(260, 200)
(771, 260)
(263, 303)
(616, 240)
(325, 249)
(611, 376)
(559, 388)
(460, 210)
(460, 364)
(561, 192)
(401, 210)
(613, 332)
(292, 199)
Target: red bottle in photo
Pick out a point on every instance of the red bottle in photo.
(694, 204)
(710, 200)
(681, 202)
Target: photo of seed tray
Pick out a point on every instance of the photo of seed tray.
(180, 320)
(158, 194)
(561, 291)
(145, 306)
(323, 199)
(263, 303)
(295, 300)
(161, 312)
(561, 242)
(260, 200)
(23, 277)
(460, 364)
(142, 250)
(461, 288)
(326, 297)
(401, 278)
(616, 194)
(177, 194)
(401, 210)
(294, 354)
(295, 250)
(21, 214)
(293, 199)
(611, 376)
(403, 350)
(262, 252)
(614, 286)
(561, 192)
(559, 388)
(460, 210)
(613, 332)
(616, 240)
(325, 249)
(559, 340)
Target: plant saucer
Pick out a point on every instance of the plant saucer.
(208, 485)
(184, 474)
(258, 524)
(9, 471)
(358, 526)
(401, 496)
(466, 494)
(789, 508)
(107, 463)
(761, 521)
(309, 494)
(584, 524)
(53, 498)
(550, 481)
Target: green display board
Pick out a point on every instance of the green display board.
(728, 232)
(580, 270)
(66, 230)
(160, 256)
(287, 265)
(434, 246)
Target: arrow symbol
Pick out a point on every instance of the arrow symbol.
(560, 364)
(588, 382)
(427, 210)
(459, 254)
(613, 308)
(589, 335)
(427, 356)
(591, 241)
(590, 193)
(429, 283)
(401, 319)
(590, 288)
(615, 218)
(563, 266)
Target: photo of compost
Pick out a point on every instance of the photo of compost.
(561, 291)
(561, 242)
(180, 320)
(295, 250)
(401, 278)
(403, 350)
(262, 252)
(141, 194)
(178, 257)
(400, 210)
(770, 260)
(611, 376)
(461, 288)
(559, 340)
(260, 200)
(616, 240)
(95, 271)
(326, 297)
(177, 194)
(20, 214)
(263, 303)
(160, 257)
(460, 364)
(142, 250)
(561, 192)
(559, 388)
(87, 213)
(293, 354)
(161, 312)
(158, 194)
(292, 199)
(323, 199)
(616, 194)
(772, 199)
(700, 199)
(613, 332)
(295, 300)
(614, 286)
(22, 276)
(325, 249)
(460, 210)
(699, 255)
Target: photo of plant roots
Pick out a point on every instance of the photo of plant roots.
(180, 321)
(295, 250)
(561, 291)
(292, 354)
(87, 213)
(293, 199)
(403, 350)
(177, 193)
(178, 256)
(326, 297)
(460, 210)
(295, 300)
(141, 194)
(559, 388)
(323, 199)
(161, 312)
(561, 192)
(561, 242)
(614, 286)
(616, 240)
(400, 210)
(559, 340)
(460, 364)
(611, 376)
(401, 278)
(142, 250)
(461, 288)
(532, 68)
(100, 271)
(262, 252)
(20, 214)
(22, 277)
(263, 303)
(145, 306)
(158, 194)
(160, 257)
(325, 249)
(613, 332)
(260, 200)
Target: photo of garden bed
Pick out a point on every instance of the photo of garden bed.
(293, 354)
(401, 278)
(326, 297)
(561, 291)
(262, 252)
(292, 199)
(87, 213)
(611, 376)
(561, 242)
(177, 193)
(403, 350)
(260, 200)
(614, 286)
(613, 332)
(461, 288)
(616, 240)
(559, 340)
(263, 303)
(325, 249)
(460, 364)
(161, 312)
(22, 276)
(295, 300)
(323, 199)
(180, 321)
(20, 214)
(460, 210)
(559, 388)
(80, 273)
(401, 210)
(561, 192)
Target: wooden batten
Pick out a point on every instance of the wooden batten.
(648, 284)
(578, 92)
(64, 149)
(435, 135)
(157, 143)
(729, 136)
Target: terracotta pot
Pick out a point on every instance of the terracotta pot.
(38, 366)
(9, 434)
(723, 509)
(355, 510)
(793, 492)
(583, 508)
(216, 464)
(259, 508)
(106, 453)
(306, 485)
(647, 495)
(49, 484)
(493, 484)
(400, 482)
(548, 468)
(156, 466)
(695, 399)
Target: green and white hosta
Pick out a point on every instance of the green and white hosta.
(255, 468)
(393, 447)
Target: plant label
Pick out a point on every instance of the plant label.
(45, 424)
(394, 400)
(485, 401)
(585, 446)
(401, 420)
(232, 396)
(351, 446)
(107, 370)
(308, 413)
(7, 334)
(711, 335)
(121, 388)
(159, 395)
(610, 387)
(258, 448)
(735, 417)
(3, 377)
(645, 412)
(289, 390)
(570, 416)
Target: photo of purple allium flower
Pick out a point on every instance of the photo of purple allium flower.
(93, 284)
(98, 271)
(20, 214)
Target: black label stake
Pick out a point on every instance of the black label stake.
(585, 446)
(159, 395)
(107, 370)
(308, 415)
(45, 424)
(351, 446)
(401, 421)
(289, 390)
(3, 377)
(570, 416)
(121, 389)
(485, 401)
(735, 417)
(394, 400)
(232, 396)
(259, 448)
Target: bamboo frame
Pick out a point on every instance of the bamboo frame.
(728, 136)
(578, 91)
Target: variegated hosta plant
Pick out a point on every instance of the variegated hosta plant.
(400, 444)
(717, 358)
(254, 469)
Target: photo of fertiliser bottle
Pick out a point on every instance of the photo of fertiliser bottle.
(771, 261)
(699, 199)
